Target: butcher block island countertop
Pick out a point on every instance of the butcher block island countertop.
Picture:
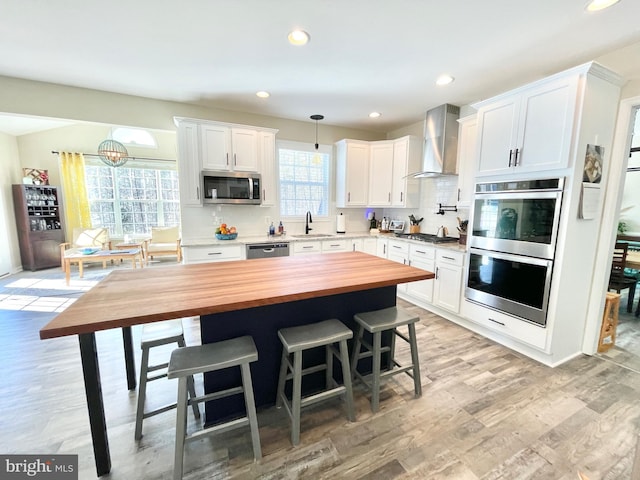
(132, 297)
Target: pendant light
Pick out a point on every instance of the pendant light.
(113, 153)
(317, 117)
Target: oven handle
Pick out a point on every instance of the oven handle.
(512, 257)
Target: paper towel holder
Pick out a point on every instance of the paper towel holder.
(340, 223)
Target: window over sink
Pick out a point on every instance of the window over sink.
(303, 177)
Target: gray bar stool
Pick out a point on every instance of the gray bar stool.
(377, 322)
(185, 362)
(155, 335)
(296, 340)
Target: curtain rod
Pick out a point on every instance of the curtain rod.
(130, 158)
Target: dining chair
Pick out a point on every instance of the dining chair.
(617, 279)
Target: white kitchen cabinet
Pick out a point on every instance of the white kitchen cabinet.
(301, 248)
(268, 169)
(213, 253)
(422, 257)
(504, 324)
(380, 173)
(467, 136)
(382, 247)
(229, 148)
(447, 289)
(352, 173)
(529, 129)
(399, 252)
(336, 245)
(366, 245)
(189, 164)
(407, 159)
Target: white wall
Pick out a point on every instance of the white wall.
(12, 173)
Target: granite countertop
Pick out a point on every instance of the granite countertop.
(246, 239)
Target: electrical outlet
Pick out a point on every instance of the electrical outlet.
(267, 220)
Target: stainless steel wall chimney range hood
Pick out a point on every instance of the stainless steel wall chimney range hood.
(440, 142)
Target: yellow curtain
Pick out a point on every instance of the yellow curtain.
(76, 202)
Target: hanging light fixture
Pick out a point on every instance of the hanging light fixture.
(316, 118)
(113, 153)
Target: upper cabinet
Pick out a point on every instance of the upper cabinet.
(229, 148)
(407, 157)
(189, 163)
(206, 145)
(380, 173)
(529, 129)
(386, 164)
(467, 136)
(352, 173)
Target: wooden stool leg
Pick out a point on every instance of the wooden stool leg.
(250, 405)
(375, 377)
(346, 374)
(297, 397)
(181, 428)
(415, 360)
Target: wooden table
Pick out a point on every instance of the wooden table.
(205, 289)
(142, 245)
(76, 256)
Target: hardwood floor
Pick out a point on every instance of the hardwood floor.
(486, 413)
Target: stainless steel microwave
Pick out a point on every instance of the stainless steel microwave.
(231, 187)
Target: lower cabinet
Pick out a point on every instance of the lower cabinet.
(399, 252)
(524, 332)
(337, 245)
(448, 282)
(366, 245)
(301, 248)
(422, 257)
(213, 253)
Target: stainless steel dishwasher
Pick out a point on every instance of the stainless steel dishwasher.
(267, 250)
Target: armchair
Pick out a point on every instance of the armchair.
(164, 241)
(86, 237)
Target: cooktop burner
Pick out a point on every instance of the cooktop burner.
(426, 237)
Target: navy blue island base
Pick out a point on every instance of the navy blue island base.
(263, 323)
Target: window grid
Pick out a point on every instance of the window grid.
(132, 200)
(304, 182)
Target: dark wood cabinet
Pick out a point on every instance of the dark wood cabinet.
(38, 210)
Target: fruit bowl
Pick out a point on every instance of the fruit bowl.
(226, 236)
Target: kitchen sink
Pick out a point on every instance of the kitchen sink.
(313, 235)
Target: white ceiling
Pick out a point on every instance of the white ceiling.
(364, 55)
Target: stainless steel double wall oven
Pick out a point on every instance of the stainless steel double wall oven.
(512, 246)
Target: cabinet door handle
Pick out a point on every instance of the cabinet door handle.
(449, 258)
(496, 321)
(197, 193)
(458, 194)
(401, 196)
(227, 158)
(264, 194)
(510, 156)
(310, 246)
(515, 160)
(389, 196)
(235, 160)
(214, 253)
(349, 197)
(437, 269)
(420, 251)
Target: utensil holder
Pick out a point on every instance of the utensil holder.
(414, 228)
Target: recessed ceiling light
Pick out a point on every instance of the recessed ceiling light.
(263, 94)
(596, 5)
(444, 80)
(375, 115)
(298, 37)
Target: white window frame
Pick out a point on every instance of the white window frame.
(307, 147)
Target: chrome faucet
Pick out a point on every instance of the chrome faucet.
(308, 220)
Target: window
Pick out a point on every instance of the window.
(132, 200)
(304, 179)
